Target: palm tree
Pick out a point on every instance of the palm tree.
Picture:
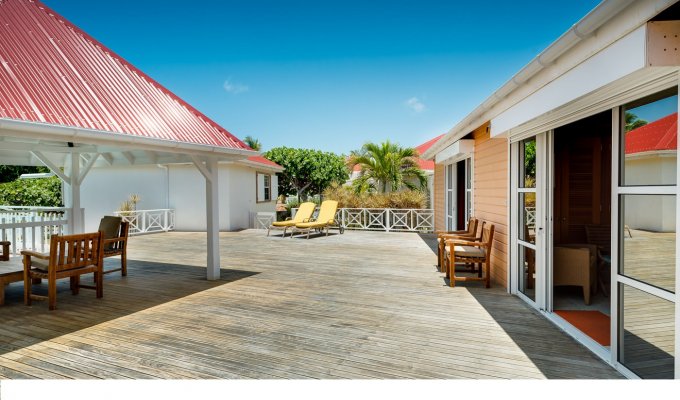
(633, 121)
(253, 143)
(387, 167)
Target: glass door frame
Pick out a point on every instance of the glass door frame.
(451, 192)
(541, 227)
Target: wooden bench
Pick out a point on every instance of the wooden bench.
(10, 271)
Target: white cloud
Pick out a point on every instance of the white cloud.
(415, 104)
(234, 87)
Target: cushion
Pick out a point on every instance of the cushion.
(468, 251)
(110, 227)
(283, 223)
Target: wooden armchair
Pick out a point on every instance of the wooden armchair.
(469, 233)
(4, 245)
(69, 257)
(115, 231)
(470, 252)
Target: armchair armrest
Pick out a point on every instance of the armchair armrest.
(30, 253)
(464, 243)
(439, 233)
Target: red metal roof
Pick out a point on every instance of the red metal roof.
(659, 135)
(427, 164)
(264, 161)
(53, 72)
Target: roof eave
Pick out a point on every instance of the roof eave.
(596, 18)
(40, 130)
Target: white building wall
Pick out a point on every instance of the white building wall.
(104, 189)
(180, 187)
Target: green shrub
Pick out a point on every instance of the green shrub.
(45, 192)
(348, 198)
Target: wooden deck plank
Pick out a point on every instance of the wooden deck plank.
(359, 305)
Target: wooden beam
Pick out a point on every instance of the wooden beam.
(87, 168)
(202, 168)
(108, 157)
(129, 156)
(49, 164)
(153, 157)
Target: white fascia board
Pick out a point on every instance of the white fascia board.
(615, 62)
(260, 166)
(43, 131)
(455, 152)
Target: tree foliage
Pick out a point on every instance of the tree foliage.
(387, 167)
(9, 173)
(633, 121)
(306, 170)
(45, 192)
(253, 143)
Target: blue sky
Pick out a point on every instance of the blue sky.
(328, 74)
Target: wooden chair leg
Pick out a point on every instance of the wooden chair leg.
(52, 293)
(488, 274)
(2, 293)
(123, 263)
(27, 288)
(75, 285)
(99, 282)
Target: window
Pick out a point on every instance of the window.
(263, 187)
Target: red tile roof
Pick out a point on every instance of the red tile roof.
(53, 72)
(659, 135)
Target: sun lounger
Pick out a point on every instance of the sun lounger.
(304, 214)
(325, 219)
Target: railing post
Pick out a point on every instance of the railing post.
(388, 223)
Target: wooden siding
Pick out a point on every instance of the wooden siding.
(491, 185)
(439, 197)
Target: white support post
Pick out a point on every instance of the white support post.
(77, 222)
(210, 169)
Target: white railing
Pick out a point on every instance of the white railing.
(530, 213)
(149, 221)
(263, 220)
(385, 219)
(27, 230)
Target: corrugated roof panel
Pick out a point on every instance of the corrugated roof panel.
(52, 72)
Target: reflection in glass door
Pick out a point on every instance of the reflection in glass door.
(525, 197)
(646, 246)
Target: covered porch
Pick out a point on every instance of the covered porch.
(358, 305)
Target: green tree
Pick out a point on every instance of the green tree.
(9, 173)
(387, 167)
(633, 121)
(253, 143)
(307, 171)
(44, 192)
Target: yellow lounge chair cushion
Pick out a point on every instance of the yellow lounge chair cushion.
(290, 222)
(311, 225)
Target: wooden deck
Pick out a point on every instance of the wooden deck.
(358, 305)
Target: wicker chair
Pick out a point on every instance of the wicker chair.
(574, 265)
(470, 233)
(70, 256)
(601, 236)
(470, 252)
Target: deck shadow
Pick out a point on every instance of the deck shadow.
(148, 284)
(556, 354)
